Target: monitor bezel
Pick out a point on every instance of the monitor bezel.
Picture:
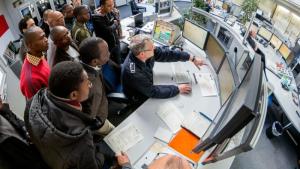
(277, 38)
(263, 36)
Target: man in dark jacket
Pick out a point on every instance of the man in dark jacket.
(106, 27)
(60, 130)
(137, 73)
(93, 54)
(66, 49)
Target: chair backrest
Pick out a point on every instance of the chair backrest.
(112, 79)
(133, 5)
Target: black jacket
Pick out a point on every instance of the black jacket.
(62, 134)
(106, 29)
(137, 76)
(61, 55)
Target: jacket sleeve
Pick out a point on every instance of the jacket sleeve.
(166, 55)
(145, 86)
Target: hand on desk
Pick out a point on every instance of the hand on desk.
(122, 159)
(184, 88)
(197, 61)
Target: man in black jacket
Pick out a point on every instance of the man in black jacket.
(57, 126)
(106, 27)
(137, 73)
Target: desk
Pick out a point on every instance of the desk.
(284, 97)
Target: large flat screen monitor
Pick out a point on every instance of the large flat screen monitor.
(241, 110)
(194, 34)
(165, 33)
(275, 41)
(226, 81)
(265, 33)
(284, 51)
(214, 51)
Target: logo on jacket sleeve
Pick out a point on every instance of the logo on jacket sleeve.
(132, 67)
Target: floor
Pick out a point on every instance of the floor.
(278, 153)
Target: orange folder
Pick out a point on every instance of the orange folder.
(184, 142)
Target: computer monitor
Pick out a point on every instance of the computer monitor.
(241, 109)
(265, 33)
(226, 81)
(194, 34)
(275, 41)
(165, 33)
(215, 51)
(284, 51)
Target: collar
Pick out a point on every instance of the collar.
(80, 24)
(34, 60)
(73, 103)
(136, 60)
(89, 69)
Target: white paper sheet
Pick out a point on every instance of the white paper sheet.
(125, 138)
(207, 84)
(163, 134)
(170, 114)
(196, 124)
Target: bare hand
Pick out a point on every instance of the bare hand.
(184, 88)
(122, 159)
(199, 62)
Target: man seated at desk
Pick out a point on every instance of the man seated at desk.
(137, 73)
(251, 41)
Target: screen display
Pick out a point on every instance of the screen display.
(284, 51)
(275, 41)
(162, 33)
(226, 81)
(194, 34)
(214, 51)
(265, 33)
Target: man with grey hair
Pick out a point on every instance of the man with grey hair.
(137, 73)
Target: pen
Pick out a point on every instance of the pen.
(205, 116)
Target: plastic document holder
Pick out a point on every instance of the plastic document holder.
(184, 142)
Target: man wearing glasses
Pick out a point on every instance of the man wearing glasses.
(137, 73)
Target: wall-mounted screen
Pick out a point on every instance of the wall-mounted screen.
(265, 33)
(194, 34)
(275, 41)
(284, 51)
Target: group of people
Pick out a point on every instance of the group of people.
(61, 79)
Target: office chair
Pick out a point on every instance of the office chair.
(135, 9)
(114, 87)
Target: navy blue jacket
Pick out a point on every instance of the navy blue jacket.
(137, 76)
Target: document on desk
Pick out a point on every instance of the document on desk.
(171, 115)
(196, 124)
(125, 138)
(207, 84)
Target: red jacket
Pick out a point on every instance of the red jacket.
(34, 75)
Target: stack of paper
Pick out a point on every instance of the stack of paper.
(124, 138)
(196, 124)
(207, 84)
(170, 114)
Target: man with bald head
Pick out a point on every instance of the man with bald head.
(55, 18)
(66, 49)
(35, 69)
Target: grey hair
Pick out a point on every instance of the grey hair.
(138, 43)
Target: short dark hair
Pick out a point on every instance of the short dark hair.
(89, 49)
(64, 7)
(102, 2)
(65, 77)
(77, 10)
(23, 23)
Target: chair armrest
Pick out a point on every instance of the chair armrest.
(118, 97)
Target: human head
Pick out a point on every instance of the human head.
(55, 18)
(70, 81)
(107, 5)
(252, 33)
(67, 11)
(25, 23)
(94, 51)
(61, 37)
(36, 40)
(81, 13)
(45, 15)
(169, 162)
(142, 46)
(76, 3)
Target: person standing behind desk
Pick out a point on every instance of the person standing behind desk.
(251, 41)
(106, 27)
(35, 69)
(79, 31)
(137, 73)
(66, 49)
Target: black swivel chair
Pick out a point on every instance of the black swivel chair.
(135, 9)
